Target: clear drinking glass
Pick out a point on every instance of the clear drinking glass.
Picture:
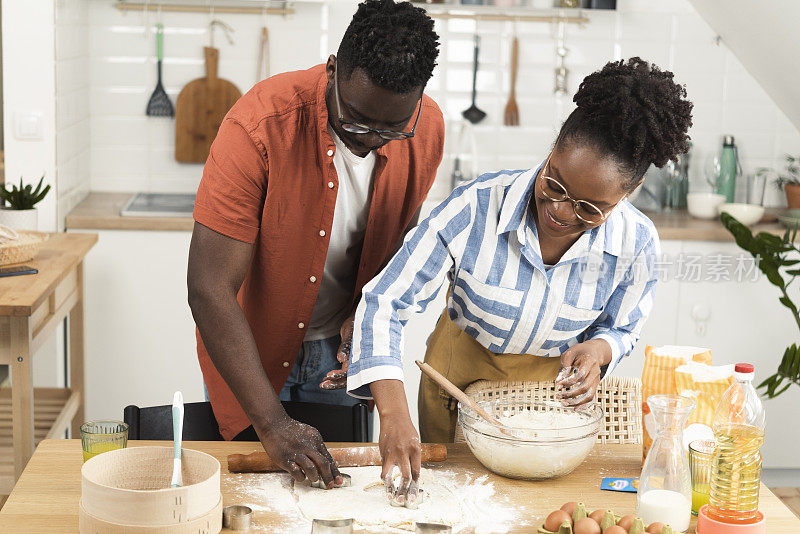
(756, 184)
(700, 452)
(665, 488)
(103, 436)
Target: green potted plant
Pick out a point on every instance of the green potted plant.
(790, 181)
(20, 212)
(776, 257)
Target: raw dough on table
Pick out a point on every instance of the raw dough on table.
(370, 508)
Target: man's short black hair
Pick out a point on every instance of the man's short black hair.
(634, 111)
(394, 43)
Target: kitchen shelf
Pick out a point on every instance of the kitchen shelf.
(216, 6)
(442, 11)
(53, 410)
(517, 14)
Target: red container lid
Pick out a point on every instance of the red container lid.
(744, 368)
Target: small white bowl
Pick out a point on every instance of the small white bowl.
(747, 214)
(704, 205)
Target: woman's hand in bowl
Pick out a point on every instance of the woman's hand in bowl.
(577, 382)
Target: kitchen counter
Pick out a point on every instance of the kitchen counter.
(680, 226)
(100, 211)
(46, 497)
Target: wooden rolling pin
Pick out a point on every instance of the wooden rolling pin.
(259, 462)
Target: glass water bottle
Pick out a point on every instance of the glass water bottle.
(665, 487)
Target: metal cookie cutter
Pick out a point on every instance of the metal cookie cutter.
(431, 528)
(237, 517)
(332, 526)
(346, 481)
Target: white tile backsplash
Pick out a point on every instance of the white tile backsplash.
(72, 87)
(106, 72)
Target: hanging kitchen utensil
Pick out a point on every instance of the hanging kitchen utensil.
(460, 174)
(202, 105)
(262, 70)
(472, 113)
(511, 114)
(561, 72)
(160, 105)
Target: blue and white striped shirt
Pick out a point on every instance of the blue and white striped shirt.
(483, 239)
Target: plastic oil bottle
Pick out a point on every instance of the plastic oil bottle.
(736, 462)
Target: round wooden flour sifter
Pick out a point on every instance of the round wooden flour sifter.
(127, 491)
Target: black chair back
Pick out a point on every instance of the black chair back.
(155, 422)
(334, 422)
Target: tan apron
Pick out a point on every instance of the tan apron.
(462, 360)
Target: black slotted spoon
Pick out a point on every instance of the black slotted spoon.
(160, 105)
(473, 114)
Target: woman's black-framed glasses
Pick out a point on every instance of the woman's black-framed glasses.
(584, 210)
(358, 128)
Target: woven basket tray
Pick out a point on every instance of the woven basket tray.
(620, 399)
(23, 249)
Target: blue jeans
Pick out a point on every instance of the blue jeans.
(315, 360)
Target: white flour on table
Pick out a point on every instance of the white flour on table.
(466, 502)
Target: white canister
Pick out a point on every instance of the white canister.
(20, 219)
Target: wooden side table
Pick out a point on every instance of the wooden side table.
(31, 307)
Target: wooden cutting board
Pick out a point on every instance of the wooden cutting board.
(200, 108)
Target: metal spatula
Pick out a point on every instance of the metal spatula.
(160, 105)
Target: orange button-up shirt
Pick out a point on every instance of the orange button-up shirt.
(269, 180)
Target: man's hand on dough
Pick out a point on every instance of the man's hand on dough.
(298, 449)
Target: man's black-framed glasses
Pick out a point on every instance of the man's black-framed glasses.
(358, 128)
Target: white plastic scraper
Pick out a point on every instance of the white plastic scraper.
(177, 437)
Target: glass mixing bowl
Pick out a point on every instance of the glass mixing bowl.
(550, 442)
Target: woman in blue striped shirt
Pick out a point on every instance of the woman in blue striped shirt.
(549, 268)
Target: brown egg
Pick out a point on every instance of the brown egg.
(587, 525)
(626, 521)
(615, 529)
(597, 515)
(555, 519)
(569, 507)
(655, 528)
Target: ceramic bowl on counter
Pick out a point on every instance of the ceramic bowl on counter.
(704, 205)
(790, 218)
(747, 214)
(542, 440)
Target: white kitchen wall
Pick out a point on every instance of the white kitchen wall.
(28, 85)
(667, 32)
(29, 80)
(72, 104)
(132, 152)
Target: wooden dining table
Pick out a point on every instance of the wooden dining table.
(46, 497)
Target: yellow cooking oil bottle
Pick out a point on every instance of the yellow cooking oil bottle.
(736, 461)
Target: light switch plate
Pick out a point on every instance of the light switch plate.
(29, 125)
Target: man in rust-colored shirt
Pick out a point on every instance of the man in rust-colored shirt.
(311, 183)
